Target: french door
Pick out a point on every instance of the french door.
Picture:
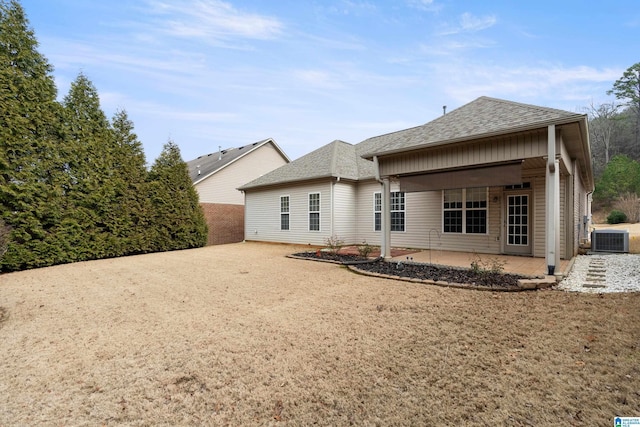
(518, 224)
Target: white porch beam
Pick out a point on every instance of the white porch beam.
(552, 209)
(385, 246)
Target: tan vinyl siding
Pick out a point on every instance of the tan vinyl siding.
(344, 212)
(262, 214)
(221, 186)
(364, 213)
(514, 147)
(423, 227)
(539, 217)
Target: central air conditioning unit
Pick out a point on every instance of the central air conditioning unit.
(610, 241)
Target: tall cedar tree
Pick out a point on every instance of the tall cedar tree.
(92, 197)
(178, 218)
(32, 177)
(131, 215)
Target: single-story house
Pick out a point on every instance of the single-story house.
(216, 177)
(491, 177)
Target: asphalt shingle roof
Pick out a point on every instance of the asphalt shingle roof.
(336, 159)
(480, 118)
(205, 165)
(483, 117)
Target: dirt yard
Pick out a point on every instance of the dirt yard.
(240, 335)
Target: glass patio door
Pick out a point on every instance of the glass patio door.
(518, 228)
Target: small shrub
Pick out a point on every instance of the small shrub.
(334, 243)
(365, 249)
(490, 266)
(616, 217)
(629, 203)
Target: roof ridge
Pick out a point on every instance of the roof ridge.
(532, 106)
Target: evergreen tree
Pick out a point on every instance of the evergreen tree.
(178, 218)
(621, 176)
(32, 175)
(92, 194)
(130, 217)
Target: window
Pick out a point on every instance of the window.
(377, 211)
(284, 212)
(397, 211)
(465, 211)
(314, 212)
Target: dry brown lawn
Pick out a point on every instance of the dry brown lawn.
(240, 335)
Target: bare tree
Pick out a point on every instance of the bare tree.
(602, 128)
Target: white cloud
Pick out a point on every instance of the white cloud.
(464, 81)
(469, 23)
(213, 19)
(425, 5)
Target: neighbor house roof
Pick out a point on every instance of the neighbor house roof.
(481, 118)
(206, 165)
(337, 159)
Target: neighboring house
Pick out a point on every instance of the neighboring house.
(492, 176)
(217, 176)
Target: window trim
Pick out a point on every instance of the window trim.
(377, 196)
(287, 212)
(464, 210)
(309, 211)
(403, 211)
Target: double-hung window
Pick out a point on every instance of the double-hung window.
(377, 211)
(397, 211)
(284, 212)
(314, 212)
(465, 210)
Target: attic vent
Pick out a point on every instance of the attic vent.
(610, 241)
(240, 148)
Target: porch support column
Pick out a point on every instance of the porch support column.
(385, 244)
(552, 238)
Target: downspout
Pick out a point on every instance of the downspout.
(587, 223)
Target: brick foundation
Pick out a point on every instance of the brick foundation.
(226, 223)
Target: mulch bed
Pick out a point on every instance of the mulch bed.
(439, 273)
(418, 271)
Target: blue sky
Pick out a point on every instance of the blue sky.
(209, 73)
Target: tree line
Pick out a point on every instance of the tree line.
(614, 132)
(74, 185)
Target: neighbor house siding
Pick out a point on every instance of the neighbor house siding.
(513, 147)
(221, 187)
(262, 214)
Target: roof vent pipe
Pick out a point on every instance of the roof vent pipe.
(444, 110)
(220, 152)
